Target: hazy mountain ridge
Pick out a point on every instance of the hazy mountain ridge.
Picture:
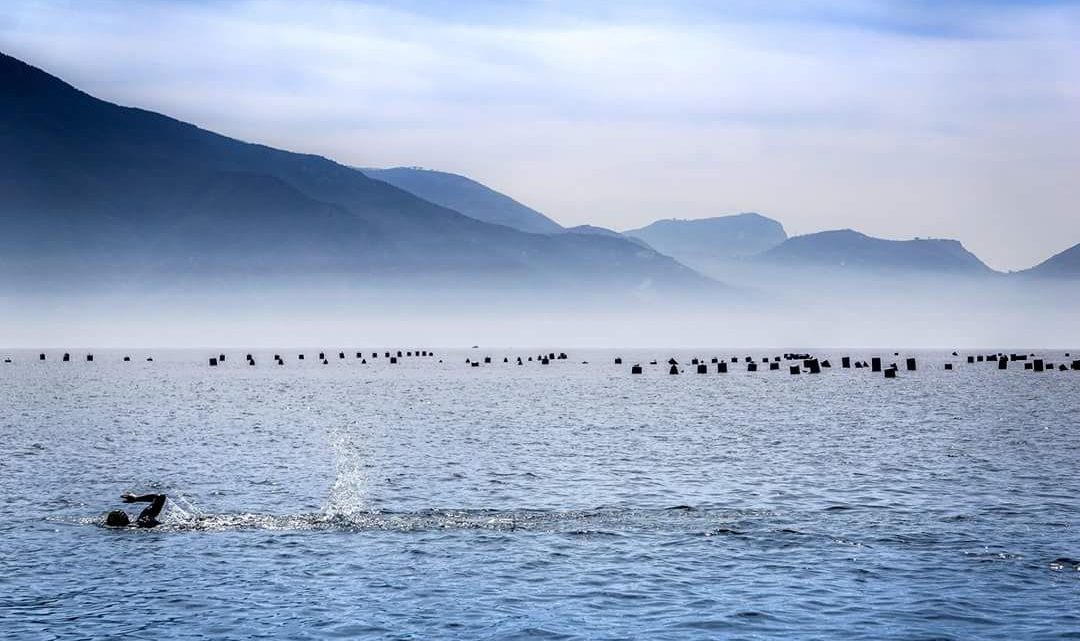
(467, 196)
(709, 239)
(99, 189)
(604, 231)
(849, 250)
(1065, 264)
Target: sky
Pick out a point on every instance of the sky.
(953, 119)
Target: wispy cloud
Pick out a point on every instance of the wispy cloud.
(955, 118)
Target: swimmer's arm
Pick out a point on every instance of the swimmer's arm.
(128, 497)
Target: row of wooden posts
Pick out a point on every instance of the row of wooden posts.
(66, 358)
(809, 364)
(391, 356)
(812, 365)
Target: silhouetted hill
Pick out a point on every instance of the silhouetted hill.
(712, 239)
(604, 231)
(853, 252)
(90, 190)
(1065, 264)
(466, 196)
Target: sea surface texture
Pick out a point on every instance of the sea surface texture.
(435, 500)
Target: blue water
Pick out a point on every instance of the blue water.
(429, 500)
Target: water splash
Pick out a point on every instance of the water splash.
(349, 493)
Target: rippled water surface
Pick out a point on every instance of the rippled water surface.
(431, 500)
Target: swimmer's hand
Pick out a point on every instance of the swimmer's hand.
(128, 497)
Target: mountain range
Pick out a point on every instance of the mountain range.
(93, 192)
(96, 193)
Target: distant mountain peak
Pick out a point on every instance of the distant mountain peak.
(719, 238)
(849, 249)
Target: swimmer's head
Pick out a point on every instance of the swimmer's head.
(117, 518)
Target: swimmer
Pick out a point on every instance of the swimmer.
(146, 518)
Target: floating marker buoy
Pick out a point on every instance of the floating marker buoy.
(674, 369)
(875, 364)
(911, 364)
(948, 366)
(845, 362)
(618, 361)
(794, 369)
(890, 373)
(66, 357)
(751, 367)
(636, 369)
(702, 369)
(213, 362)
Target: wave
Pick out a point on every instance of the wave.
(595, 521)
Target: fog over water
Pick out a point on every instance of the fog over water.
(913, 313)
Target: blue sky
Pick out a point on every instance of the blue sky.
(901, 119)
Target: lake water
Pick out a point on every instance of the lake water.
(430, 500)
